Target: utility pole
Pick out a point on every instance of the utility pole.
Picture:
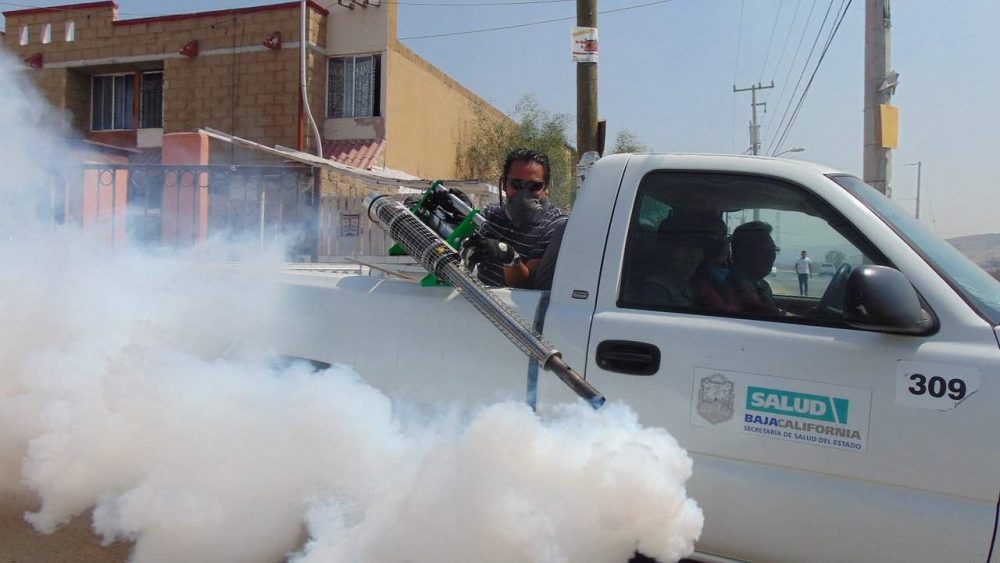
(880, 84)
(918, 164)
(586, 84)
(754, 126)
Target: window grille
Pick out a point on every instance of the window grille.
(151, 101)
(353, 86)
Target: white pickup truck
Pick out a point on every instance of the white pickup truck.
(862, 425)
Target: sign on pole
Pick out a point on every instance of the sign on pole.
(585, 44)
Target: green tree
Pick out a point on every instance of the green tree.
(627, 141)
(491, 137)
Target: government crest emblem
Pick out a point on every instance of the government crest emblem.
(715, 398)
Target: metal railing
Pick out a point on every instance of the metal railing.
(175, 206)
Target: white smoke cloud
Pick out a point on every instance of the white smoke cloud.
(145, 389)
(583, 486)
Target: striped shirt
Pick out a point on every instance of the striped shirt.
(529, 244)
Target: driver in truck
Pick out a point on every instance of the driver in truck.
(754, 252)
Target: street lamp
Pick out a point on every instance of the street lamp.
(796, 149)
(918, 164)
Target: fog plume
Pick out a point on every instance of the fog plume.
(146, 388)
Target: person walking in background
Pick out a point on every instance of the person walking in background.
(803, 267)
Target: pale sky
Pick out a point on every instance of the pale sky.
(667, 72)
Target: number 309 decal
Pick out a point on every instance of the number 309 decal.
(934, 386)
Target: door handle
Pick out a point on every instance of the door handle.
(627, 356)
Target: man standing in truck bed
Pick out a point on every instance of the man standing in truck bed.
(518, 245)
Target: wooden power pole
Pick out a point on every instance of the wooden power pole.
(880, 117)
(586, 84)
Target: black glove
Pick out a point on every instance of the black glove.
(440, 198)
(478, 250)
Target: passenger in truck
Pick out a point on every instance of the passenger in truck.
(711, 292)
(680, 239)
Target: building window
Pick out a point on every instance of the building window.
(112, 102)
(47, 33)
(151, 100)
(353, 87)
(70, 32)
(25, 35)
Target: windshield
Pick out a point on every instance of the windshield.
(978, 288)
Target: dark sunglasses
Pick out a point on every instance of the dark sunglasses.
(526, 185)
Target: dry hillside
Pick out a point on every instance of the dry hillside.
(982, 249)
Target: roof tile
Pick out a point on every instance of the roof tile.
(359, 153)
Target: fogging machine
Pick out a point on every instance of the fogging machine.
(431, 231)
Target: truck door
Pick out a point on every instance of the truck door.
(812, 440)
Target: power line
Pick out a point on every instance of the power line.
(396, 2)
(528, 24)
(791, 66)
(739, 42)
(819, 62)
(767, 54)
(784, 46)
(736, 70)
(842, 12)
(805, 65)
(476, 5)
(783, 132)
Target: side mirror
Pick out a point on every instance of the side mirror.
(881, 298)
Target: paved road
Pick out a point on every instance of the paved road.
(74, 543)
(786, 282)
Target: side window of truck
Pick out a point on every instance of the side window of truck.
(732, 245)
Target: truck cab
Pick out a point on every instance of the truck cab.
(858, 423)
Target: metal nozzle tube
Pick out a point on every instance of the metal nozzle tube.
(575, 381)
(437, 257)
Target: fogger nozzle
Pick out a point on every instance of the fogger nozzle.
(434, 254)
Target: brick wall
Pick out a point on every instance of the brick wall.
(252, 95)
(234, 84)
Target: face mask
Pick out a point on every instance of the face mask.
(718, 274)
(524, 208)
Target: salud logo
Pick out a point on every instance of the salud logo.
(801, 405)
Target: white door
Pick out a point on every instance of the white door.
(812, 441)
